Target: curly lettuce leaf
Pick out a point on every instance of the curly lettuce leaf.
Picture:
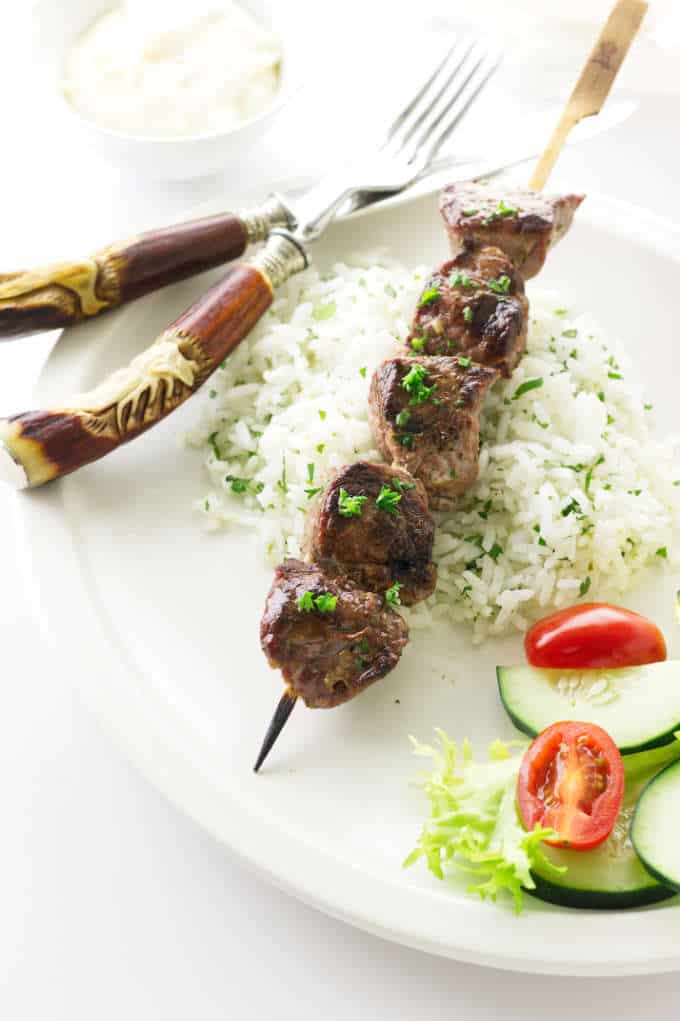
(474, 825)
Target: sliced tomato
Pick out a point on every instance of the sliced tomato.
(594, 635)
(571, 781)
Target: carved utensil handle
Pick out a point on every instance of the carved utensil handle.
(38, 446)
(66, 293)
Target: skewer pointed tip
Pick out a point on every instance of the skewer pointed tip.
(279, 719)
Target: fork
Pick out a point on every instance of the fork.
(38, 446)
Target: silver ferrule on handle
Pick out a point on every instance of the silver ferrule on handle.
(259, 221)
(281, 257)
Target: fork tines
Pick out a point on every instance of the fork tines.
(438, 106)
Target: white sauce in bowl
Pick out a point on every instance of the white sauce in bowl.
(170, 70)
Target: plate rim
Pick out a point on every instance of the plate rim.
(45, 538)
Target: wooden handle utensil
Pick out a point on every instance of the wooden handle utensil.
(38, 446)
(69, 292)
(595, 81)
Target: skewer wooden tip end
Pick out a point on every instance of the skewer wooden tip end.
(279, 719)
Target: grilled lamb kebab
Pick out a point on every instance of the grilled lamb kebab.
(473, 305)
(424, 413)
(371, 524)
(330, 639)
(523, 224)
(326, 625)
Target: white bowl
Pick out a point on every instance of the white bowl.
(56, 26)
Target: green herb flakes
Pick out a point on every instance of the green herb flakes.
(526, 386)
(327, 311)
(392, 594)
(387, 500)
(429, 296)
(350, 506)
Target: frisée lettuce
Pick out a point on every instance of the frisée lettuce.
(474, 825)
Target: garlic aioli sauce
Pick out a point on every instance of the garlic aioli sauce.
(168, 69)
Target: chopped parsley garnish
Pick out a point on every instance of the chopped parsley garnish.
(311, 491)
(350, 506)
(461, 279)
(406, 439)
(213, 394)
(484, 512)
(495, 551)
(418, 343)
(570, 333)
(387, 500)
(403, 418)
(392, 594)
(305, 603)
(500, 286)
(322, 414)
(500, 212)
(648, 407)
(320, 447)
(324, 603)
(615, 375)
(662, 552)
(414, 384)
(465, 363)
(589, 474)
(212, 440)
(402, 486)
(469, 212)
(526, 386)
(362, 371)
(283, 481)
(600, 396)
(429, 296)
(467, 314)
(364, 646)
(320, 312)
(237, 485)
(584, 586)
(573, 507)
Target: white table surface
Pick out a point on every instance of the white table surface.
(112, 904)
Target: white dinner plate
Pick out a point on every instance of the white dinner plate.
(158, 624)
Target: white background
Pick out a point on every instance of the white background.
(111, 903)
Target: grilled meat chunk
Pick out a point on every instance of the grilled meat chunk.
(328, 637)
(523, 224)
(372, 524)
(436, 439)
(474, 305)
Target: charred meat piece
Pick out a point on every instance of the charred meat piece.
(474, 305)
(436, 439)
(372, 524)
(328, 637)
(523, 224)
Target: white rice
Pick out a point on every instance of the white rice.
(573, 495)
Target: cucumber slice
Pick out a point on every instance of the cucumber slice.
(638, 706)
(655, 827)
(611, 876)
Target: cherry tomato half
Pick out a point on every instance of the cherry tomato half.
(571, 781)
(594, 635)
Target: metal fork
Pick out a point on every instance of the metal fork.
(411, 143)
(38, 446)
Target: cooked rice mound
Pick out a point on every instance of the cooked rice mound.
(575, 496)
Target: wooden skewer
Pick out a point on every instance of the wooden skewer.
(595, 81)
(279, 719)
(587, 99)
